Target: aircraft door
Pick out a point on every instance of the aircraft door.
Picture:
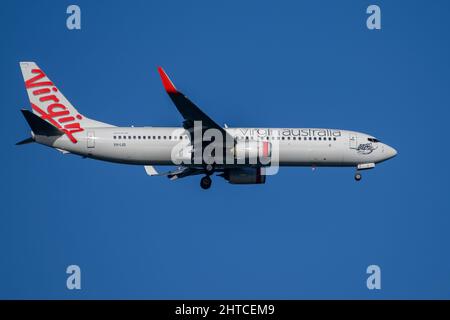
(91, 139)
(353, 140)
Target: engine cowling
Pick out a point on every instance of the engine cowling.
(253, 152)
(246, 175)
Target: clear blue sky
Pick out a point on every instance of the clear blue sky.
(246, 63)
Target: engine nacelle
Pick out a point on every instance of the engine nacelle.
(253, 152)
(246, 175)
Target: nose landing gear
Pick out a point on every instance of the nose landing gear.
(363, 166)
(205, 182)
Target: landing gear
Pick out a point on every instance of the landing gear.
(358, 176)
(205, 182)
(209, 168)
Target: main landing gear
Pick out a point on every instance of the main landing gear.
(209, 168)
(205, 182)
(358, 176)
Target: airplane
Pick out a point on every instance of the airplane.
(239, 155)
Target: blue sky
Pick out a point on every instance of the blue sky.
(302, 235)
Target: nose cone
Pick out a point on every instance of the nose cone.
(389, 152)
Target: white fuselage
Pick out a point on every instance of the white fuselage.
(154, 145)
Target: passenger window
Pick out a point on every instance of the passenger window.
(159, 137)
(334, 138)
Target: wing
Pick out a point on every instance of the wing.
(188, 109)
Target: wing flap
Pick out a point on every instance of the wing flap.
(179, 172)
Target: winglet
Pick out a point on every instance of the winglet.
(167, 83)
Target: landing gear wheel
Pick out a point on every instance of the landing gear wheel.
(209, 168)
(205, 182)
(358, 176)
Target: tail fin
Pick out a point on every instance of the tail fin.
(48, 102)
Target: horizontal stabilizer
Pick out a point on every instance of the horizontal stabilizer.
(151, 171)
(39, 126)
(25, 141)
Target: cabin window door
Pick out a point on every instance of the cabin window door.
(91, 139)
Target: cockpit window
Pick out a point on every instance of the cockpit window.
(373, 140)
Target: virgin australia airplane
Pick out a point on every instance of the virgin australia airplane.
(200, 147)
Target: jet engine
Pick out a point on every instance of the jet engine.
(245, 175)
